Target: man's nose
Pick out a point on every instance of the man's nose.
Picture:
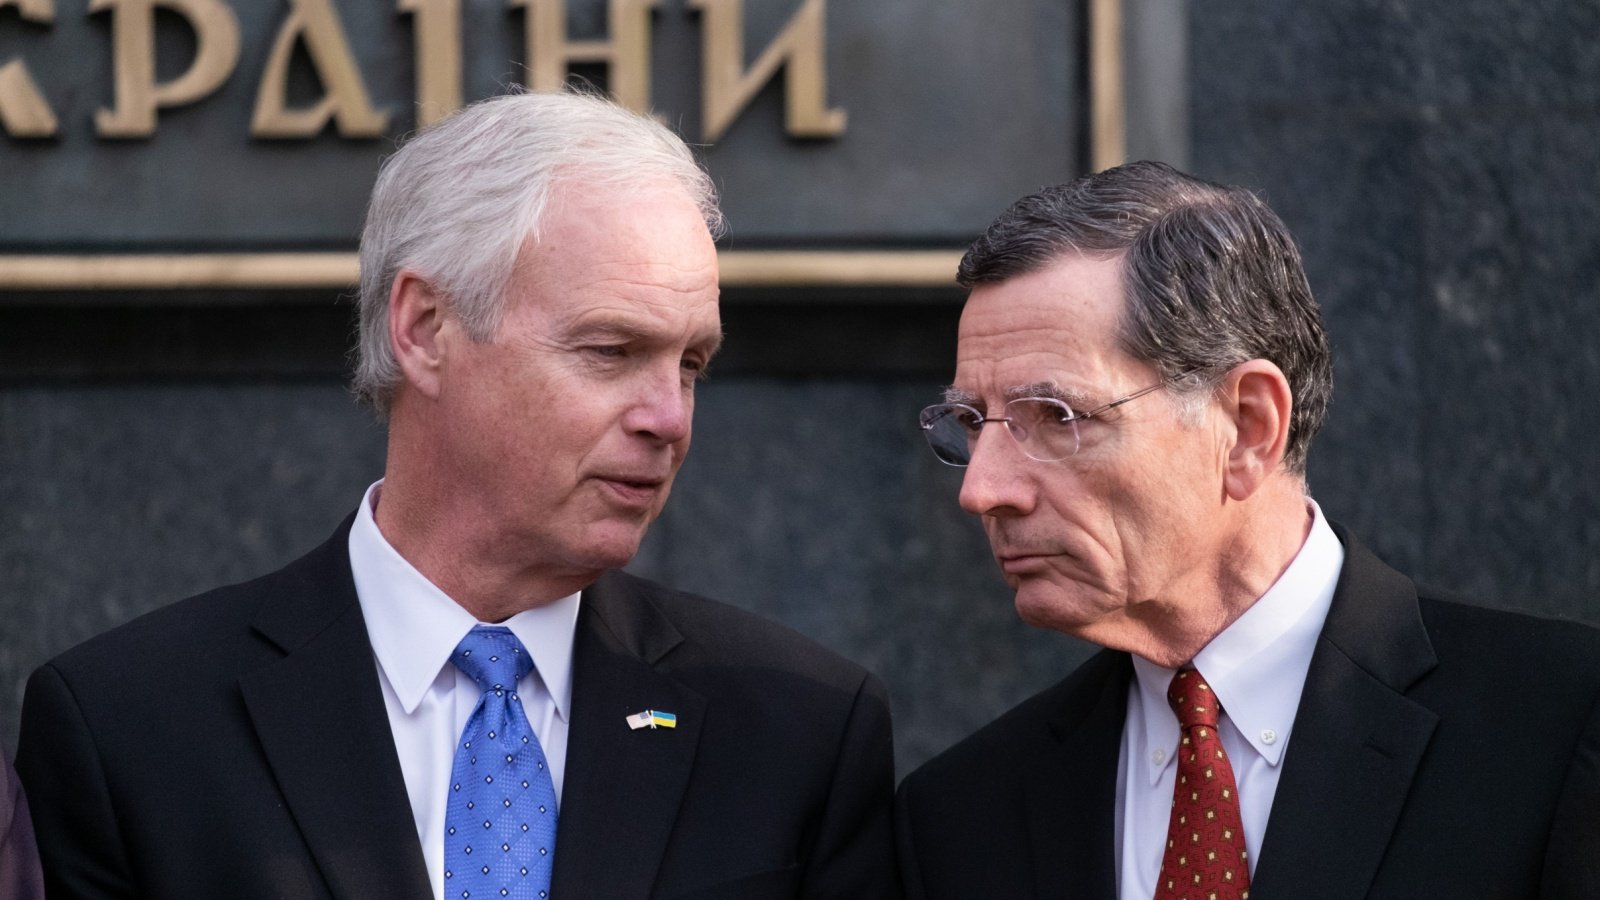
(997, 481)
(664, 409)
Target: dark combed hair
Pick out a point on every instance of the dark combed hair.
(1213, 277)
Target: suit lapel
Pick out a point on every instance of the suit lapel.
(1071, 807)
(320, 717)
(622, 787)
(1357, 738)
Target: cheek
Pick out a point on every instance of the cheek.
(1163, 531)
(1086, 504)
(588, 426)
(688, 428)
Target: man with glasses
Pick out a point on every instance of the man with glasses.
(458, 695)
(1140, 371)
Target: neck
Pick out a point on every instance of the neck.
(440, 529)
(1171, 629)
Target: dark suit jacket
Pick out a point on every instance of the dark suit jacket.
(19, 856)
(236, 745)
(1439, 750)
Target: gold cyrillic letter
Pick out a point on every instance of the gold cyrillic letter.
(23, 110)
(627, 53)
(138, 96)
(344, 96)
(437, 24)
(801, 46)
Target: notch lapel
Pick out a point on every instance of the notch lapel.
(320, 717)
(1357, 740)
(622, 787)
(1073, 805)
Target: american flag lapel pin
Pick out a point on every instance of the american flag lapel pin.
(652, 718)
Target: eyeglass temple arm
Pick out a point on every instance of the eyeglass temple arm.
(1135, 395)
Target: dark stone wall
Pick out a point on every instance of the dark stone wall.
(117, 499)
(1436, 159)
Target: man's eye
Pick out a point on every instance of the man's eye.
(1054, 422)
(970, 419)
(694, 368)
(609, 351)
(1057, 415)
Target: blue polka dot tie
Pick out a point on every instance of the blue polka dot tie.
(500, 823)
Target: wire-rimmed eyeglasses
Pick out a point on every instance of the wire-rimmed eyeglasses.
(1045, 428)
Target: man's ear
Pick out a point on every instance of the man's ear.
(417, 315)
(1256, 396)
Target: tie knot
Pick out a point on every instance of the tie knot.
(493, 657)
(1192, 699)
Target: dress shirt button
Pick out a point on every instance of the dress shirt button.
(1158, 757)
(1268, 736)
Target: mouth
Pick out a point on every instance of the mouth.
(1014, 562)
(632, 490)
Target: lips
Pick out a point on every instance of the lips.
(632, 489)
(1021, 564)
(1024, 561)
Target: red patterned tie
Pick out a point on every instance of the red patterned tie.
(1205, 857)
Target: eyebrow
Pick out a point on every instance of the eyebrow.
(1035, 389)
(1051, 391)
(609, 327)
(712, 345)
(1046, 389)
(619, 327)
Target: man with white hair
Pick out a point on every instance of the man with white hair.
(458, 695)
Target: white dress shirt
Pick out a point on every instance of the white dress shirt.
(1257, 669)
(414, 627)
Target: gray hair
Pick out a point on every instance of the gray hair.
(1213, 278)
(458, 202)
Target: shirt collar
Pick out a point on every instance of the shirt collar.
(414, 626)
(1257, 666)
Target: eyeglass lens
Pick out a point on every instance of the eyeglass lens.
(1042, 427)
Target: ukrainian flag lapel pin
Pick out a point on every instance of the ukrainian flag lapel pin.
(652, 718)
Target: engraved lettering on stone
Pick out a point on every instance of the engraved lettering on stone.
(437, 24)
(800, 48)
(345, 100)
(137, 94)
(23, 110)
(626, 54)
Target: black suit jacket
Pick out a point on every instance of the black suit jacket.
(236, 745)
(1439, 750)
(19, 856)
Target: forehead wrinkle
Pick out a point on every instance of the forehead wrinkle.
(687, 283)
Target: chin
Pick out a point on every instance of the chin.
(1049, 607)
(609, 548)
